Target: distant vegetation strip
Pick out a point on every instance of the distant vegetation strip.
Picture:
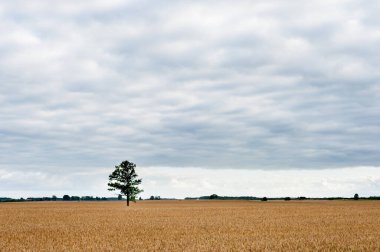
(216, 197)
(211, 197)
(64, 198)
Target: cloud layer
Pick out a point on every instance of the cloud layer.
(246, 85)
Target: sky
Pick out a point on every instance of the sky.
(262, 98)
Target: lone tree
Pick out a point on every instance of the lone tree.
(124, 178)
(356, 196)
(213, 196)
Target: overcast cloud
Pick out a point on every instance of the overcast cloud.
(272, 86)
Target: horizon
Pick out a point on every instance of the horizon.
(246, 98)
(203, 197)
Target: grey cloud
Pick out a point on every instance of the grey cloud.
(245, 85)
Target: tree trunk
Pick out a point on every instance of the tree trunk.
(127, 199)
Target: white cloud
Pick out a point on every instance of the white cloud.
(182, 182)
(193, 182)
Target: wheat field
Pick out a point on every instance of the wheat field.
(191, 226)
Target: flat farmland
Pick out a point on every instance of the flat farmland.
(191, 226)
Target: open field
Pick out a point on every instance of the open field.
(191, 225)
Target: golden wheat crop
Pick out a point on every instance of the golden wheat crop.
(191, 226)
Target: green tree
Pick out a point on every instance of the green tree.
(213, 196)
(77, 198)
(356, 196)
(125, 179)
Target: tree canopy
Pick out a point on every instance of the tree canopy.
(125, 179)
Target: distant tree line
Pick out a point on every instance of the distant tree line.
(55, 198)
(217, 197)
(210, 197)
(154, 198)
(83, 198)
